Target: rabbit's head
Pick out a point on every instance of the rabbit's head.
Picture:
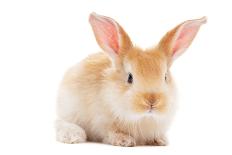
(139, 82)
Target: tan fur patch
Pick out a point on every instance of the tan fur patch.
(148, 65)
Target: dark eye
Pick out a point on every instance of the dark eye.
(130, 78)
(166, 77)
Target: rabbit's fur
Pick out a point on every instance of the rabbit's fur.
(96, 102)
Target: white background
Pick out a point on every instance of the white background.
(40, 39)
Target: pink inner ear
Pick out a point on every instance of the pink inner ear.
(106, 33)
(184, 38)
(111, 35)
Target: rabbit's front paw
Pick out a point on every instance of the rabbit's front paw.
(120, 139)
(69, 133)
(159, 141)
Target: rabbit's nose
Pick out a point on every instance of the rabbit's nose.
(152, 101)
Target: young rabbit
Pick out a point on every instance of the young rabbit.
(125, 95)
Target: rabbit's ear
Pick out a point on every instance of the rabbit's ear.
(176, 41)
(109, 35)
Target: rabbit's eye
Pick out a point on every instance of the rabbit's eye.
(130, 78)
(166, 77)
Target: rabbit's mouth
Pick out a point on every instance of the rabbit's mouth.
(152, 110)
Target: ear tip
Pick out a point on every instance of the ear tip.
(96, 17)
(203, 20)
(92, 16)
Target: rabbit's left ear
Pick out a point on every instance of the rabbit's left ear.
(176, 41)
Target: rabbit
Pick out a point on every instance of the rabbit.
(125, 95)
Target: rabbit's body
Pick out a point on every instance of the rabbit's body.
(80, 102)
(125, 96)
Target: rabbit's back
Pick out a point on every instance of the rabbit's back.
(81, 86)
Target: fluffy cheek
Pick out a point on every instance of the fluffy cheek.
(162, 104)
(118, 98)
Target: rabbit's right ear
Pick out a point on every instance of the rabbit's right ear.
(110, 35)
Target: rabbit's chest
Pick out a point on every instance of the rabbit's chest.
(148, 129)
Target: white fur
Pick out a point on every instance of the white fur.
(69, 133)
